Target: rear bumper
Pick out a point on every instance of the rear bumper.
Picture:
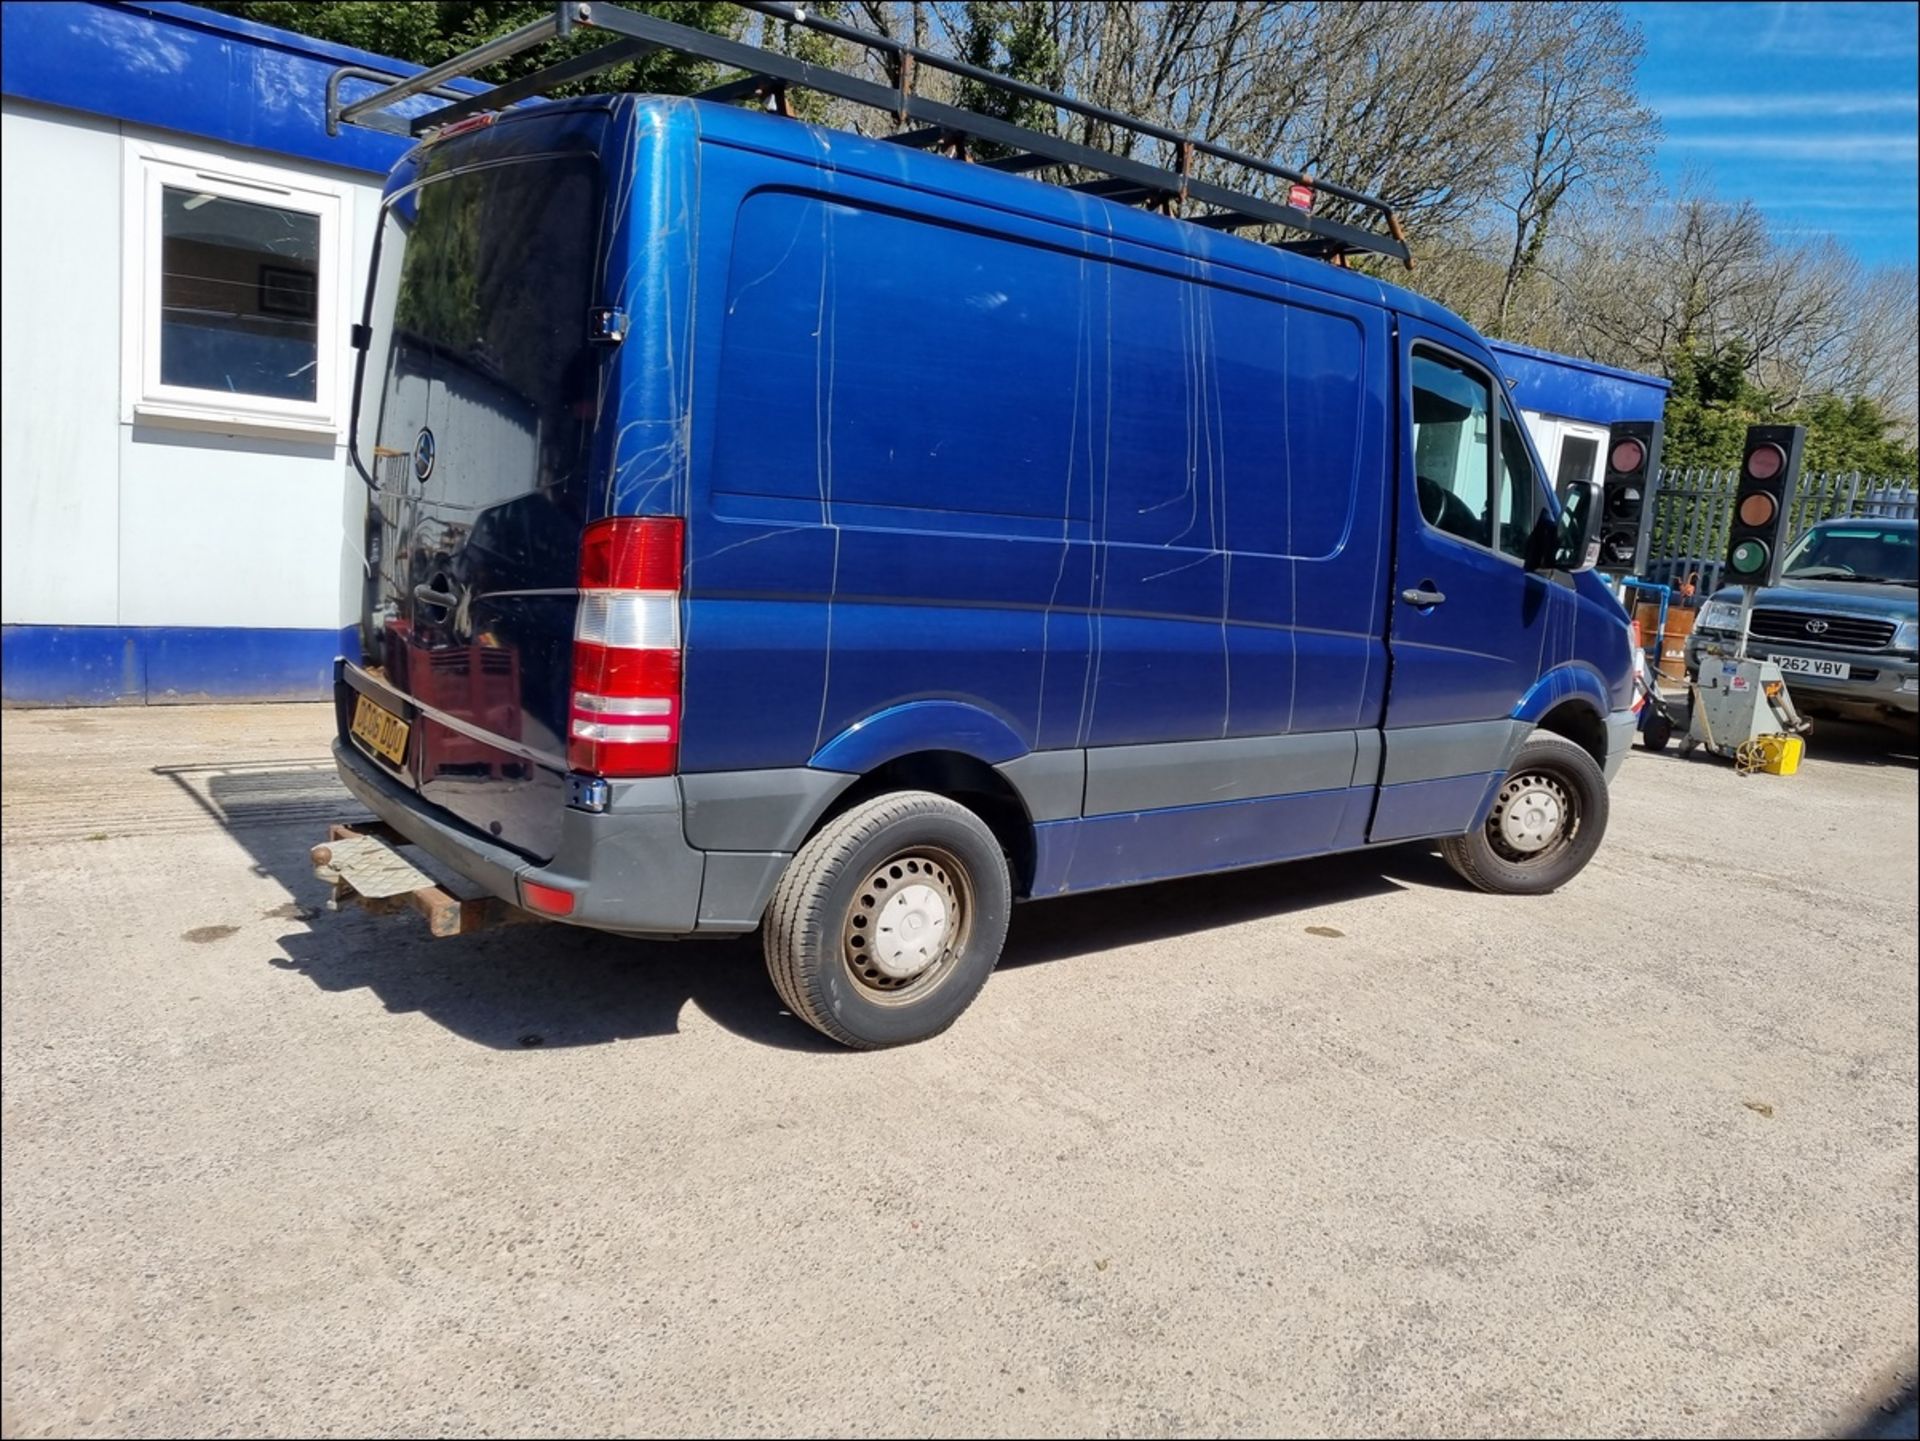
(629, 868)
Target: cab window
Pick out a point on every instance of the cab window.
(1452, 447)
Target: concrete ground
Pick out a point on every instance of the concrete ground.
(1334, 1148)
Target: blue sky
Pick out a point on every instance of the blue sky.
(1808, 110)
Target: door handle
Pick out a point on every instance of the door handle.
(1422, 595)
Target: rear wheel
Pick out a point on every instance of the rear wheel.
(887, 923)
(1655, 734)
(1545, 825)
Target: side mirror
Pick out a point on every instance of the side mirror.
(1573, 543)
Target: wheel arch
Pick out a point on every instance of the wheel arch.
(1579, 722)
(1570, 701)
(962, 778)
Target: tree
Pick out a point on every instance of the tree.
(1585, 126)
(1014, 40)
(1506, 135)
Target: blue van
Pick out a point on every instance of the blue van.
(775, 529)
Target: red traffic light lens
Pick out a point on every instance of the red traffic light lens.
(1764, 462)
(1757, 510)
(1627, 455)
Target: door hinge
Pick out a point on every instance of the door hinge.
(606, 325)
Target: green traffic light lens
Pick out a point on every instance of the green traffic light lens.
(1749, 557)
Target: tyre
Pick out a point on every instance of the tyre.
(886, 924)
(1547, 821)
(1656, 733)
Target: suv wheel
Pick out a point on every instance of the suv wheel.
(887, 923)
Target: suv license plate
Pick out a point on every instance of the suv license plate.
(1808, 665)
(384, 732)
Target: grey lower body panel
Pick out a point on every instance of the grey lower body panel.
(761, 810)
(1434, 753)
(737, 887)
(1122, 780)
(1051, 784)
(1620, 728)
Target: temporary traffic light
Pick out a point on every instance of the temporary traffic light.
(1626, 502)
(1769, 474)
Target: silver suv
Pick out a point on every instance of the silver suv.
(1844, 622)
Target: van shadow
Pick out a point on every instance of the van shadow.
(1070, 926)
(546, 986)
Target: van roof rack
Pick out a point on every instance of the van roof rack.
(922, 122)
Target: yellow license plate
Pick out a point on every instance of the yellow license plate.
(384, 732)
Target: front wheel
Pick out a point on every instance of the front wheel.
(1545, 825)
(887, 923)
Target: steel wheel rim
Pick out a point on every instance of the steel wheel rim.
(1534, 818)
(907, 925)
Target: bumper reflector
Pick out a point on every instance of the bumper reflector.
(550, 899)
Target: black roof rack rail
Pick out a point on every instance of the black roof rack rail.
(767, 75)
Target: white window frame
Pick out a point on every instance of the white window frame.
(149, 170)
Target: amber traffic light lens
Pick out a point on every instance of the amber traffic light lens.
(1756, 510)
(1765, 462)
(1627, 455)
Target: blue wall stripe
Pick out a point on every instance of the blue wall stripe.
(1579, 389)
(84, 665)
(181, 68)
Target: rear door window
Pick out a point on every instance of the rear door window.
(493, 307)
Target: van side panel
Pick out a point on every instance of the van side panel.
(1079, 488)
(1240, 593)
(897, 548)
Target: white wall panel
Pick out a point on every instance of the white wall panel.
(59, 367)
(227, 531)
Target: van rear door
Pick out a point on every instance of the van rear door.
(479, 397)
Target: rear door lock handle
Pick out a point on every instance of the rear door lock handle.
(1422, 595)
(429, 596)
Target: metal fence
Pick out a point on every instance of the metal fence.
(1693, 507)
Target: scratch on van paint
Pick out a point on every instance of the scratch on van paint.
(1199, 558)
(793, 241)
(1082, 392)
(826, 331)
(1286, 489)
(755, 540)
(1098, 559)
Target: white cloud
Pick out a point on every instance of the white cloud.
(1850, 149)
(1857, 31)
(1749, 107)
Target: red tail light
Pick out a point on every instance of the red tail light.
(625, 712)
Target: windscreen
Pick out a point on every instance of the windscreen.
(1855, 552)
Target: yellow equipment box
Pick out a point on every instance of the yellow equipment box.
(1775, 755)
